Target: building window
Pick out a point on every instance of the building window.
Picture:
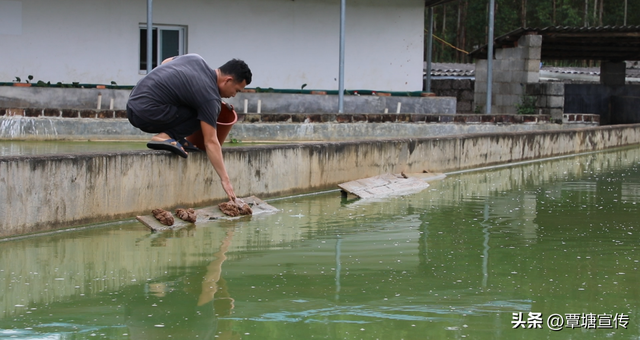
(168, 41)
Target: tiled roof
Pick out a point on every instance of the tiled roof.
(452, 70)
(452, 73)
(468, 70)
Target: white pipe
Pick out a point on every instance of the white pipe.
(111, 104)
(343, 6)
(99, 101)
(399, 106)
(259, 105)
(246, 105)
(149, 35)
(490, 56)
(427, 85)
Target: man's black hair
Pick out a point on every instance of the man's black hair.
(238, 69)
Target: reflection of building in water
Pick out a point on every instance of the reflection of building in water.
(565, 202)
(630, 192)
(516, 213)
(487, 198)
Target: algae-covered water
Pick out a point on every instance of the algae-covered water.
(539, 246)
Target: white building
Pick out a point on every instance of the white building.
(286, 43)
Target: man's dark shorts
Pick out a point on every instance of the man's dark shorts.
(183, 123)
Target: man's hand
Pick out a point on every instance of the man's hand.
(228, 188)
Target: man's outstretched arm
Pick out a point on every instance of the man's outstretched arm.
(214, 152)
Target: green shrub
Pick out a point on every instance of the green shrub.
(527, 105)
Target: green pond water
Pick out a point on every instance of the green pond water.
(543, 243)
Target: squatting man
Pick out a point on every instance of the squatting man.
(181, 101)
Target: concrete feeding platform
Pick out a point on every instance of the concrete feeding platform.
(205, 215)
(390, 185)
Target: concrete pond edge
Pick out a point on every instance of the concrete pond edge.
(52, 192)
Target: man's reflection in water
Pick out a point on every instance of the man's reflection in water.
(188, 307)
(160, 239)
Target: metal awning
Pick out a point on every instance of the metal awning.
(431, 3)
(609, 43)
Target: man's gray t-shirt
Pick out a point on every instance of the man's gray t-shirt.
(186, 81)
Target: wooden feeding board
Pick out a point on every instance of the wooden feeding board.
(390, 185)
(207, 214)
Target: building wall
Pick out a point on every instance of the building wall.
(286, 43)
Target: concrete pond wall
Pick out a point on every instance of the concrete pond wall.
(116, 99)
(42, 125)
(42, 193)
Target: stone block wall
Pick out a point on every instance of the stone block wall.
(461, 89)
(550, 99)
(513, 68)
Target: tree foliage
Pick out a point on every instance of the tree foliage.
(463, 23)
